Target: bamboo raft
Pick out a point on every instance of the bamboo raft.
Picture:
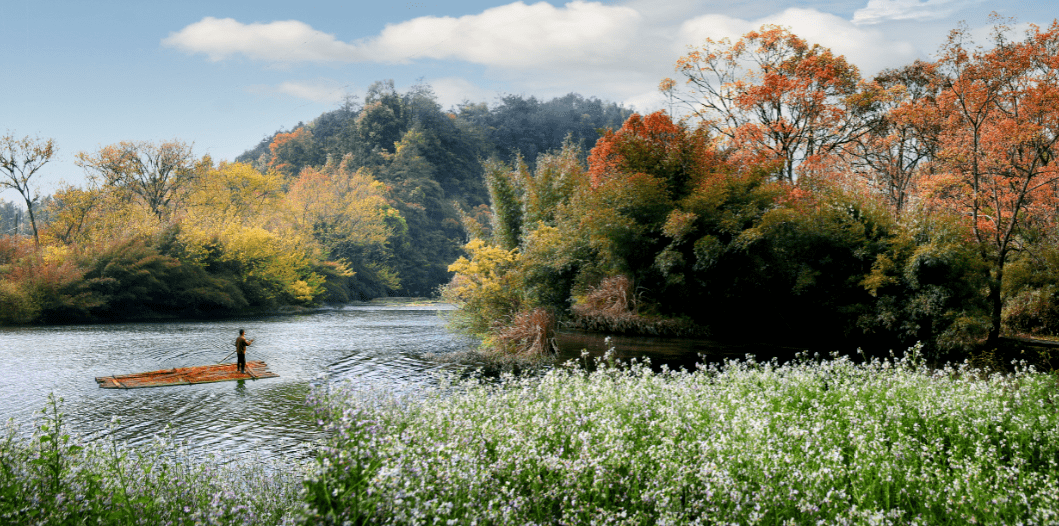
(202, 374)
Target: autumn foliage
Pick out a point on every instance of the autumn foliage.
(796, 196)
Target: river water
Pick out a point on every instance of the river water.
(392, 346)
(399, 347)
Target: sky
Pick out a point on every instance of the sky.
(222, 75)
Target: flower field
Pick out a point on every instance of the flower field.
(814, 442)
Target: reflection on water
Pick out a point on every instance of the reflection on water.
(675, 353)
(371, 345)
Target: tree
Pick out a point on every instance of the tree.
(345, 212)
(902, 132)
(10, 218)
(998, 141)
(72, 211)
(290, 152)
(665, 205)
(155, 173)
(20, 160)
(772, 96)
(231, 193)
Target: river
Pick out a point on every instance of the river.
(393, 346)
(396, 346)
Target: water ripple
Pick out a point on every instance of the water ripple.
(365, 344)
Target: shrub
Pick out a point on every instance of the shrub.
(529, 333)
(612, 307)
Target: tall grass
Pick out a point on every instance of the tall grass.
(811, 442)
(53, 478)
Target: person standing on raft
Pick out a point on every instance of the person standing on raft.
(241, 343)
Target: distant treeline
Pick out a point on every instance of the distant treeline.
(430, 162)
(371, 199)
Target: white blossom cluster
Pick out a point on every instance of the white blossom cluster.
(810, 442)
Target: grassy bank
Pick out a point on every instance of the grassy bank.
(829, 442)
(52, 478)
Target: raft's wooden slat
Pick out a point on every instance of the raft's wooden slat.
(186, 376)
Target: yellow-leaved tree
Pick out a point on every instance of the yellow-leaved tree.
(232, 223)
(345, 214)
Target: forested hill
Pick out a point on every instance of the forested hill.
(430, 163)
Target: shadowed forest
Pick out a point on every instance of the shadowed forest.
(780, 191)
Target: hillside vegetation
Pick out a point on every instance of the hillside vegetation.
(371, 199)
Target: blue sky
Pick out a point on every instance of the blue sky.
(222, 75)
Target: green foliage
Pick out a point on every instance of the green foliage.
(927, 287)
(511, 288)
(707, 244)
(505, 194)
(429, 162)
(530, 127)
(12, 219)
(1031, 304)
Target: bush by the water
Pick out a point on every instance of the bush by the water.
(812, 442)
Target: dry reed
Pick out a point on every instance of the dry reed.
(612, 307)
(529, 333)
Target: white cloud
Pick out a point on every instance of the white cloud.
(280, 42)
(916, 10)
(516, 35)
(615, 51)
(451, 91)
(326, 91)
(869, 50)
(509, 36)
(647, 101)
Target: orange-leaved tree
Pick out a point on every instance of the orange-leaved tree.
(290, 152)
(998, 141)
(773, 97)
(664, 205)
(901, 139)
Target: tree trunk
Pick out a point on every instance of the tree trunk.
(33, 223)
(996, 305)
